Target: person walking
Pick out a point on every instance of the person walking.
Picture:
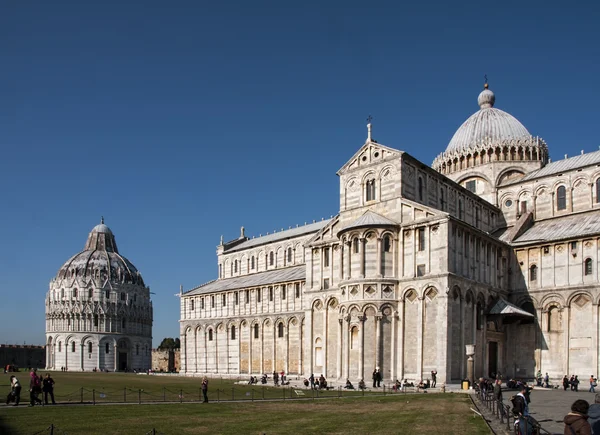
(35, 388)
(547, 381)
(576, 421)
(48, 388)
(205, 389)
(592, 384)
(566, 382)
(433, 378)
(15, 391)
(379, 378)
(498, 395)
(576, 383)
(521, 411)
(374, 378)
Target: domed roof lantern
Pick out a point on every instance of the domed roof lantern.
(101, 238)
(486, 98)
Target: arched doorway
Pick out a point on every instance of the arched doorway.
(123, 355)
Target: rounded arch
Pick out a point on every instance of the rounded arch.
(456, 292)
(87, 338)
(577, 293)
(426, 287)
(560, 182)
(384, 169)
(369, 306)
(552, 298)
(368, 175)
(351, 183)
(540, 190)
(507, 173)
(267, 322)
(332, 302)
(580, 179)
(523, 299)
(292, 321)
(474, 174)
(410, 294)
(316, 304)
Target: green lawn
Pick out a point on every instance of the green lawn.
(392, 414)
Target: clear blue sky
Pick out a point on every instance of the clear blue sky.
(181, 121)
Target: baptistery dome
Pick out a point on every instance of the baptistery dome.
(98, 311)
(487, 125)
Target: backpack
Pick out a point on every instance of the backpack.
(517, 404)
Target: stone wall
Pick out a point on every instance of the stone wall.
(165, 360)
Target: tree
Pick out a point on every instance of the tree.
(169, 344)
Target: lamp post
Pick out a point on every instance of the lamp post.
(470, 351)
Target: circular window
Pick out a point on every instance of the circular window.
(376, 154)
(364, 159)
(508, 203)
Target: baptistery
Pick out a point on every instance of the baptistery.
(98, 311)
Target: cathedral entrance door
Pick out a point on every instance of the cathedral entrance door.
(492, 358)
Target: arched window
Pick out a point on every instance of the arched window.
(62, 293)
(271, 294)
(212, 301)
(192, 305)
(289, 255)
(283, 291)
(252, 263)
(533, 273)
(420, 187)
(233, 332)
(201, 303)
(75, 293)
(123, 323)
(460, 209)
(220, 271)
(107, 294)
(598, 190)
(224, 300)
(96, 320)
(479, 316)
(72, 346)
(235, 266)
(355, 245)
(561, 198)
(60, 346)
(123, 297)
(89, 347)
(107, 348)
(387, 244)
(210, 335)
(280, 330)
(588, 267)
(256, 331)
(370, 190)
(271, 258)
(90, 294)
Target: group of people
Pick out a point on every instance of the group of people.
(37, 385)
(542, 381)
(319, 383)
(572, 382)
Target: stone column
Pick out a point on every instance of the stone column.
(287, 349)
(250, 345)
(341, 261)
(325, 335)
(339, 347)
(98, 356)
(378, 318)
(82, 349)
(361, 347)
(216, 339)
(309, 269)
(395, 257)
(205, 351)
(227, 339)
(308, 351)
(115, 357)
(595, 336)
(347, 334)
(239, 349)
(420, 339)
(566, 334)
(274, 363)
(400, 340)
(393, 346)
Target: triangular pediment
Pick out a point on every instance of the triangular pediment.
(370, 153)
(326, 233)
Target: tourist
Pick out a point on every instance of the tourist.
(572, 382)
(205, 389)
(349, 385)
(35, 388)
(547, 381)
(379, 377)
(538, 378)
(498, 395)
(576, 421)
(15, 391)
(312, 381)
(275, 378)
(594, 415)
(592, 384)
(566, 382)
(322, 382)
(361, 385)
(48, 388)
(576, 384)
(433, 378)
(306, 383)
(374, 378)
(521, 410)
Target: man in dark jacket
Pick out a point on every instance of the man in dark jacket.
(498, 395)
(594, 416)
(48, 388)
(576, 421)
(521, 410)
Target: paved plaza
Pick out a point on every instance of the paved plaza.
(549, 406)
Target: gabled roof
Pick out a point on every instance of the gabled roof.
(505, 308)
(370, 219)
(282, 235)
(294, 273)
(564, 227)
(569, 164)
(391, 152)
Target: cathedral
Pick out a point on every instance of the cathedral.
(98, 311)
(492, 250)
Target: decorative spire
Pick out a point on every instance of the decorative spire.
(242, 233)
(486, 98)
(101, 219)
(369, 119)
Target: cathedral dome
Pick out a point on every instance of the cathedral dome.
(100, 259)
(488, 125)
